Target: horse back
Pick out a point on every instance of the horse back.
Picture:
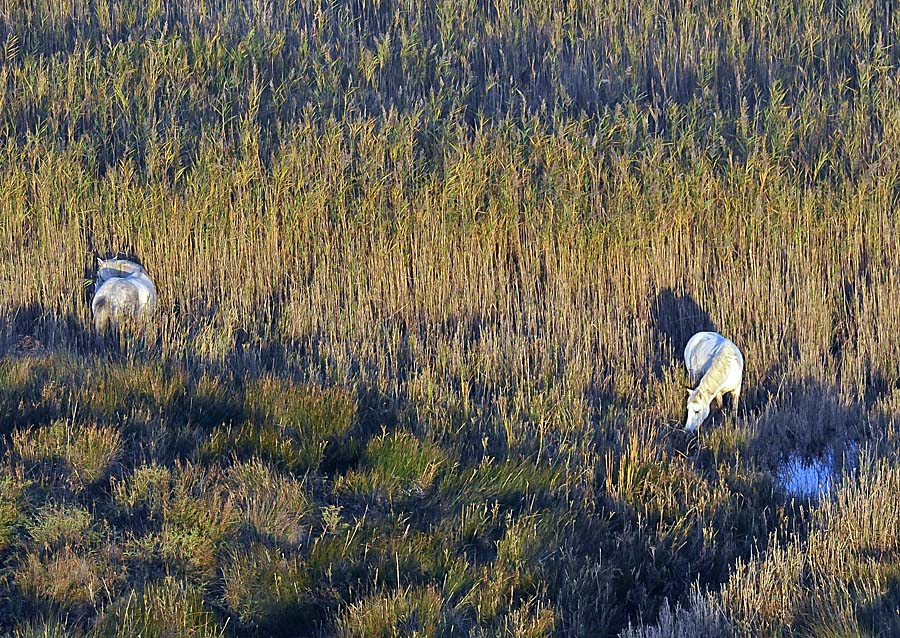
(700, 350)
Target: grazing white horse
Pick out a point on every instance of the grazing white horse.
(123, 289)
(718, 365)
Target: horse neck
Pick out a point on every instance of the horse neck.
(715, 375)
(710, 383)
(704, 392)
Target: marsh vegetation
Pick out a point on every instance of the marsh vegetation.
(425, 271)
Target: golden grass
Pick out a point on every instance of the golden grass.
(425, 273)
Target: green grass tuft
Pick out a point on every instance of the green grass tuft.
(269, 591)
(86, 451)
(62, 524)
(12, 512)
(396, 464)
(290, 426)
(164, 608)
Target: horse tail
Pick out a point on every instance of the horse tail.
(103, 314)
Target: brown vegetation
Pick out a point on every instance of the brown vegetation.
(425, 271)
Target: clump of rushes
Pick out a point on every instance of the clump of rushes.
(311, 411)
(528, 541)
(271, 504)
(411, 612)
(143, 493)
(507, 482)
(160, 609)
(29, 391)
(112, 392)
(73, 563)
(55, 524)
(268, 590)
(12, 503)
(284, 448)
(395, 464)
(50, 627)
(290, 425)
(197, 521)
(701, 616)
(71, 579)
(194, 521)
(83, 452)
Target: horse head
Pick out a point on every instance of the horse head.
(697, 410)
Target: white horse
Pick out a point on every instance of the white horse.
(123, 289)
(718, 365)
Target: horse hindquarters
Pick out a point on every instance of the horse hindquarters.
(103, 313)
(115, 299)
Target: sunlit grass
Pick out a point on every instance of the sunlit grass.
(425, 274)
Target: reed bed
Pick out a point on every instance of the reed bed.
(425, 274)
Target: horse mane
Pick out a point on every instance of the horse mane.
(726, 356)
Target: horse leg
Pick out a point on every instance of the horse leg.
(735, 395)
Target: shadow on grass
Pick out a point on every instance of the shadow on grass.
(677, 318)
(882, 615)
(805, 417)
(33, 329)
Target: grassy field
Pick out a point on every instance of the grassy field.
(425, 273)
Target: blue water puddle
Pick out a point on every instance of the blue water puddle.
(806, 476)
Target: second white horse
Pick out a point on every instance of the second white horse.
(123, 289)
